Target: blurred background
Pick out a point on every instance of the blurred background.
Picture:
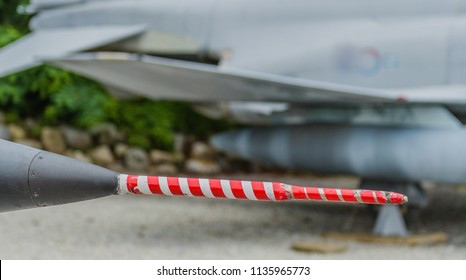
(52, 109)
(49, 108)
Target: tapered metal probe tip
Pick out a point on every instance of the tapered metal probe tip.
(404, 199)
(397, 198)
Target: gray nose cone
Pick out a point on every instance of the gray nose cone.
(33, 178)
(56, 179)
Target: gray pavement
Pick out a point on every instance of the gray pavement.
(135, 227)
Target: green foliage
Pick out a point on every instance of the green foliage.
(146, 123)
(152, 124)
(10, 16)
(8, 34)
(54, 96)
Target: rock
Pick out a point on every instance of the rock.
(158, 156)
(163, 169)
(120, 150)
(182, 144)
(33, 128)
(136, 159)
(4, 132)
(79, 155)
(102, 155)
(30, 142)
(177, 157)
(117, 167)
(17, 132)
(227, 165)
(179, 142)
(75, 138)
(202, 166)
(201, 150)
(30, 123)
(52, 140)
(319, 247)
(106, 133)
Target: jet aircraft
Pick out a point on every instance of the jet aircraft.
(371, 88)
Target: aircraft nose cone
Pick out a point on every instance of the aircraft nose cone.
(33, 178)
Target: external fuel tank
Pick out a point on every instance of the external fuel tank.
(394, 153)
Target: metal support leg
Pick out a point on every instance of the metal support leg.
(390, 222)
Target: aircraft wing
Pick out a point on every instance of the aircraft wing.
(449, 94)
(29, 51)
(162, 78)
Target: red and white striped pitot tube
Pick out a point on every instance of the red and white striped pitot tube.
(249, 190)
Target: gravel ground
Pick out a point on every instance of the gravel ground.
(130, 227)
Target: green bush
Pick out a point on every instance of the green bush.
(151, 124)
(8, 34)
(54, 96)
(10, 16)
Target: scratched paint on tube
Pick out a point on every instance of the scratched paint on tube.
(252, 190)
